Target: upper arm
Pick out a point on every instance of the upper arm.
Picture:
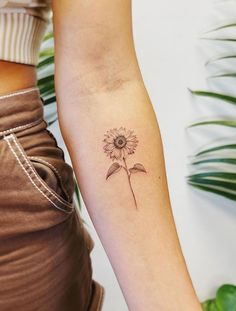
(92, 25)
(96, 37)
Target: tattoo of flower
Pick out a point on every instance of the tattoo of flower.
(119, 144)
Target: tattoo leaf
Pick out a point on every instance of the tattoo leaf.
(138, 167)
(114, 168)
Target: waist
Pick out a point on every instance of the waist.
(14, 76)
(19, 110)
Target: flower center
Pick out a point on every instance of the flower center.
(120, 142)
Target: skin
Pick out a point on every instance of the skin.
(11, 76)
(99, 86)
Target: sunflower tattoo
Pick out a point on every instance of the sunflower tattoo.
(119, 144)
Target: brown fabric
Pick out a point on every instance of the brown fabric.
(45, 262)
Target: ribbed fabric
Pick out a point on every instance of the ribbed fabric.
(22, 27)
(20, 37)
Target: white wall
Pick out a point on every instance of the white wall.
(172, 58)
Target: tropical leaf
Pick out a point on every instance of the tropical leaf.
(216, 160)
(46, 52)
(224, 97)
(220, 58)
(221, 175)
(232, 25)
(52, 121)
(222, 193)
(45, 62)
(220, 39)
(224, 75)
(217, 148)
(77, 193)
(221, 183)
(50, 100)
(215, 122)
(217, 184)
(45, 80)
(48, 35)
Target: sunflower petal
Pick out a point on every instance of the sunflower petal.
(120, 151)
(117, 154)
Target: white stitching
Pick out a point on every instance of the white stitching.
(24, 91)
(29, 164)
(53, 168)
(46, 162)
(69, 205)
(21, 127)
(9, 144)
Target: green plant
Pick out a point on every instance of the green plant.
(225, 299)
(45, 74)
(221, 179)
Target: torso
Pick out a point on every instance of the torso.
(19, 48)
(14, 76)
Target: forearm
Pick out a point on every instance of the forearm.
(130, 209)
(141, 242)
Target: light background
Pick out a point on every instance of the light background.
(172, 57)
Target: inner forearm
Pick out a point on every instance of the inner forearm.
(131, 214)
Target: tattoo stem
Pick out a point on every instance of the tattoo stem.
(129, 175)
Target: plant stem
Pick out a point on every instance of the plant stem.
(129, 175)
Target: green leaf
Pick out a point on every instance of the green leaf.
(215, 191)
(224, 75)
(216, 160)
(226, 298)
(224, 97)
(221, 183)
(221, 175)
(49, 100)
(52, 121)
(220, 58)
(77, 193)
(47, 89)
(214, 182)
(48, 36)
(222, 27)
(78, 198)
(220, 39)
(46, 52)
(46, 62)
(209, 305)
(46, 79)
(215, 122)
(224, 147)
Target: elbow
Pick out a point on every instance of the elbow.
(99, 63)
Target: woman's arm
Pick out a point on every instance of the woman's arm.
(101, 96)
